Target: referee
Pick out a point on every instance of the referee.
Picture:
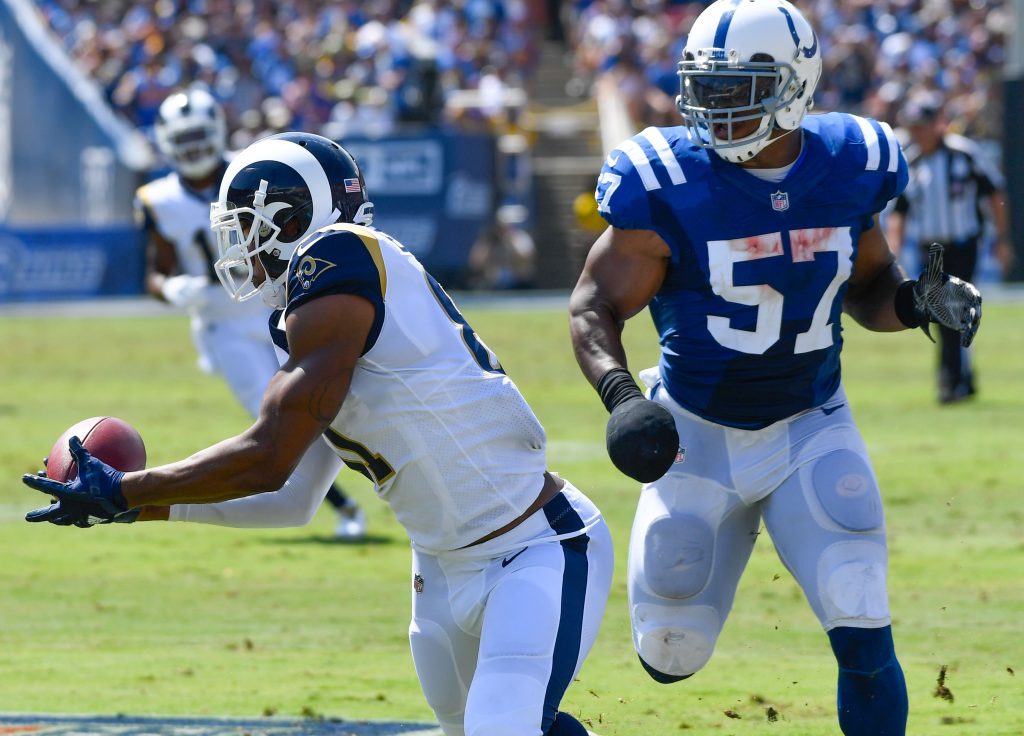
(948, 179)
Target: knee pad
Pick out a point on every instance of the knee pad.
(678, 552)
(442, 687)
(509, 705)
(847, 491)
(675, 642)
(852, 583)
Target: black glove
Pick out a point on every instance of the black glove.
(940, 298)
(641, 434)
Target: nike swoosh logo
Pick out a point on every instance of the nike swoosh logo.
(610, 162)
(508, 560)
(826, 410)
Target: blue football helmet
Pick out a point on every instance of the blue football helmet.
(275, 195)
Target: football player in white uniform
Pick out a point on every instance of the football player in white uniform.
(174, 213)
(511, 564)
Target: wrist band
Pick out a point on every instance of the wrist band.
(906, 311)
(616, 387)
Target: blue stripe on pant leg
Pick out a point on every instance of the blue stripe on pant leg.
(563, 519)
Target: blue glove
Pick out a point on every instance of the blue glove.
(65, 513)
(94, 496)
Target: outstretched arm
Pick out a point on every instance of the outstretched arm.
(326, 337)
(623, 272)
(882, 298)
(294, 504)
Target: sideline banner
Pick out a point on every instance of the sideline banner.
(433, 191)
(51, 264)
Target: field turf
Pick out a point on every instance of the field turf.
(179, 619)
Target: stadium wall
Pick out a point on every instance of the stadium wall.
(68, 171)
(69, 167)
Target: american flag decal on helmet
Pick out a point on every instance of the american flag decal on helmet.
(352, 185)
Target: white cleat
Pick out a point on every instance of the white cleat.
(351, 526)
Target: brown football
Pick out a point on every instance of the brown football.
(110, 439)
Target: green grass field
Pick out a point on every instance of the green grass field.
(194, 620)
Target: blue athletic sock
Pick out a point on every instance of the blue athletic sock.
(565, 725)
(872, 694)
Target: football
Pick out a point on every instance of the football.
(110, 439)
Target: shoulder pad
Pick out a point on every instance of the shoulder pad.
(869, 145)
(146, 198)
(277, 333)
(636, 169)
(340, 259)
(867, 152)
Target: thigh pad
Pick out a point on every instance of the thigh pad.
(846, 489)
(678, 552)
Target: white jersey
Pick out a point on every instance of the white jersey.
(182, 217)
(430, 417)
(230, 338)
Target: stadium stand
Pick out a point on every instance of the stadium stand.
(876, 53)
(556, 83)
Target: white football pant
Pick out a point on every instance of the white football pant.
(808, 477)
(500, 629)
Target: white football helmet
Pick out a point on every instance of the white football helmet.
(191, 132)
(276, 195)
(747, 60)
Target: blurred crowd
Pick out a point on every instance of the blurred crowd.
(876, 53)
(339, 67)
(362, 67)
(344, 66)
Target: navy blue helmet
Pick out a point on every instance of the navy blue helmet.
(275, 195)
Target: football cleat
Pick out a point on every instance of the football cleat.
(351, 524)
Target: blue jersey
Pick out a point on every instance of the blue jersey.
(749, 312)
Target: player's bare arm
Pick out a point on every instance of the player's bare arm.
(623, 272)
(870, 298)
(326, 337)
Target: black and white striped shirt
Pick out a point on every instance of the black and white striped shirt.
(941, 201)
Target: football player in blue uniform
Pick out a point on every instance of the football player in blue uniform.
(747, 231)
(511, 564)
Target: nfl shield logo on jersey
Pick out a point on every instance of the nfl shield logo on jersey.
(780, 201)
(417, 583)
